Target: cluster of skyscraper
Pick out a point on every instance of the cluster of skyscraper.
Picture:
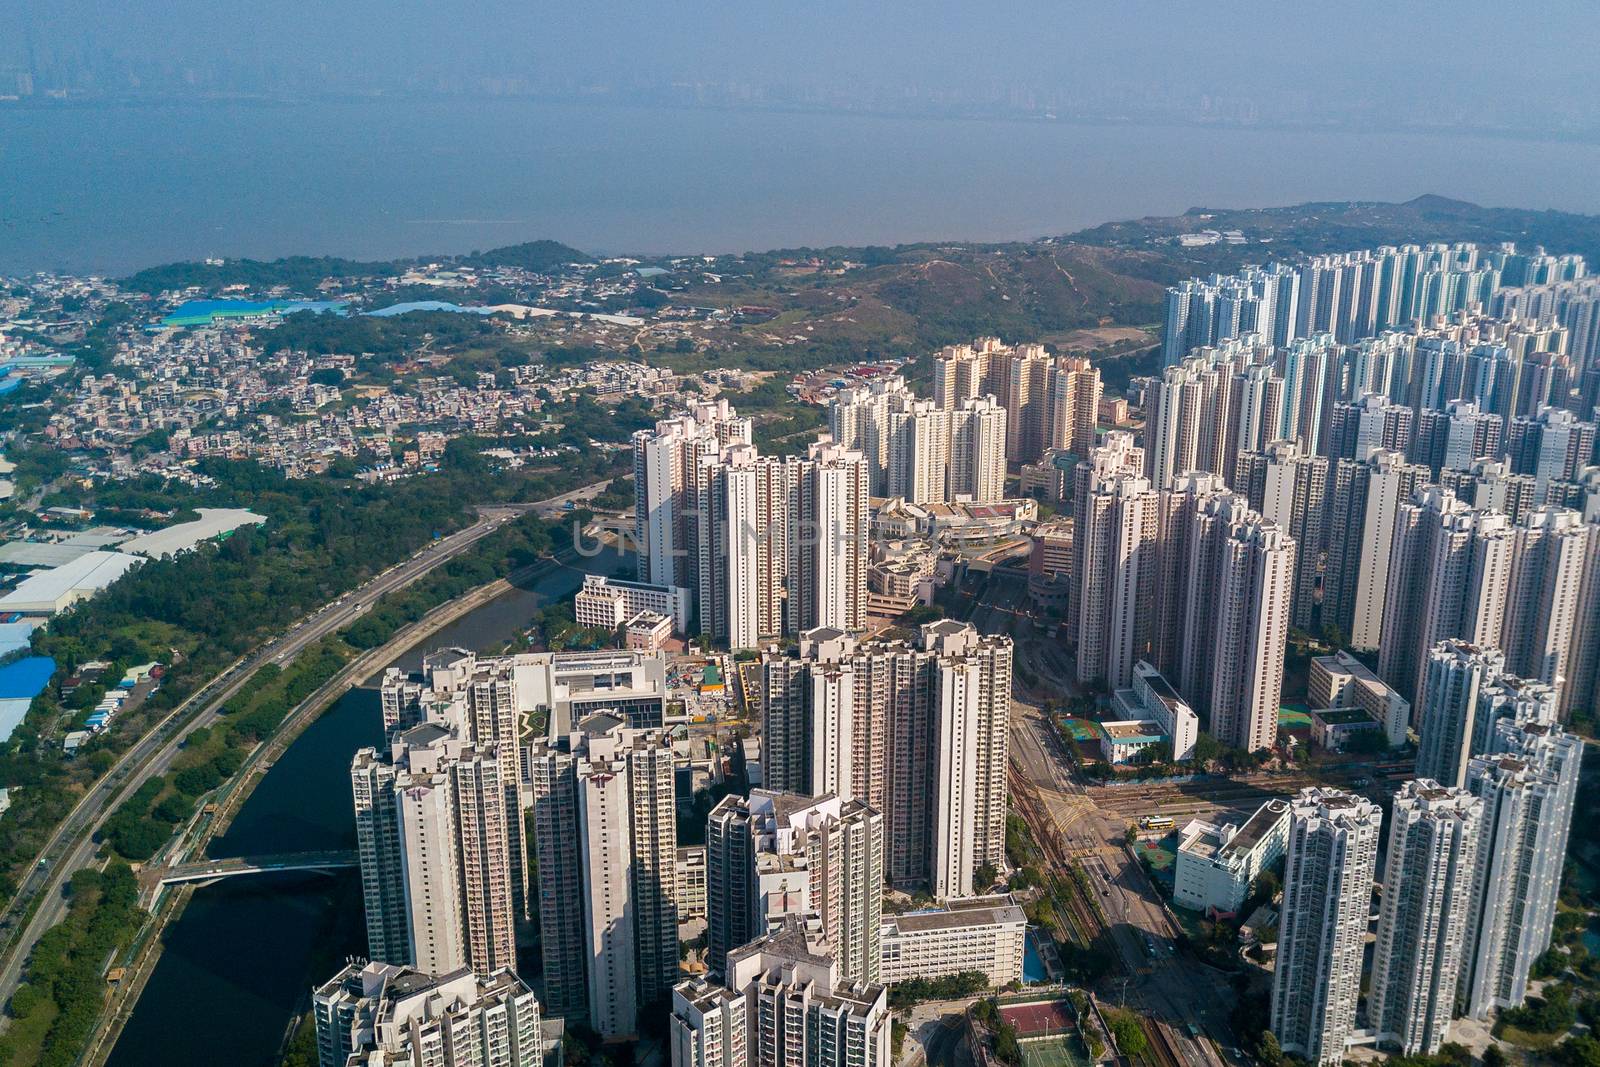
(919, 732)
(783, 1000)
(1354, 295)
(1186, 577)
(992, 404)
(1470, 882)
(383, 1015)
(769, 546)
(1432, 467)
(888, 762)
(1394, 446)
(442, 818)
(793, 904)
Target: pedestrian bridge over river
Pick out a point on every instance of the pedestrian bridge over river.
(204, 872)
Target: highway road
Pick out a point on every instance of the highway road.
(73, 847)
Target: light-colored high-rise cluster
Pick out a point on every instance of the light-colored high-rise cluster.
(1466, 691)
(1327, 894)
(1049, 401)
(1528, 783)
(918, 732)
(1332, 390)
(920, 450)
(1558, 297)
(440, 817)
(1187, 577)
(383, 1015)
(435, 824)
(783, 543)
(666, 464)
(774, 854)
(1358, 295)
(1470, 885)
(768, 545)
(1422, 927)
(1525, 588)
(605, 838)
(1356, 430)
(783, 1001)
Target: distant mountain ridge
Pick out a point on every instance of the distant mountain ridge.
(1324, 226)
(302, 273)
(1336, 226)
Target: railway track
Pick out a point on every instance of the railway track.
(1173, 801)
(1164, 1051)
(1059, 859)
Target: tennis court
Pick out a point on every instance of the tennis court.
(1050, 1052)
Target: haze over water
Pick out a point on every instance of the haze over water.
(111, 188)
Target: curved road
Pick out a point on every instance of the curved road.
(73, 847)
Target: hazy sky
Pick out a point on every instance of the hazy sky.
(1351, 51)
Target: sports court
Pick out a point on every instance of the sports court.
(1080, 729)
(1039, 1018)
(1050, 1052)
(1160, 857)
(1292, 716)
(1084, 737)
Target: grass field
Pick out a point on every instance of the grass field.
(1513, 1035)
(25, 1037)
(1050, 1052)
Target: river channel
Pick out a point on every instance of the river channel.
(238, 963)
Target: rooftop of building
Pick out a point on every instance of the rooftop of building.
(89, 572)
(785, 805)
(976, 911)
(703, 993)
(1133, 731)
(1257, 827)
(1201, 840)
(795, 939)
(424, 734)
(1227, 843)
(594, 582)
(599, 723)
(1162, 688)
(213, 522)
(647, 620)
